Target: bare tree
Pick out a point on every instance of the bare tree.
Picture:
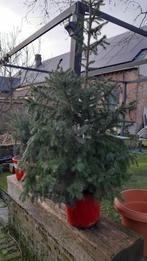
(9, 75)
(139, 5)
(48, 7)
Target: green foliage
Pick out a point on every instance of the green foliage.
(72, 148)
(92, 37)
(19, 126)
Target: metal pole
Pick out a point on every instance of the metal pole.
(25, 68)
(81, 8)
(124, 103)
(118, 22)
(121, 23)
(77, 40)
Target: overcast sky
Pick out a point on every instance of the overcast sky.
(12, 18)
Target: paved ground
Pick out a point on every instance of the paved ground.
(9, 249)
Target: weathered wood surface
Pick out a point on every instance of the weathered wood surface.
(43, 227)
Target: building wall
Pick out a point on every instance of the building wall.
(8, 110)
(135, 92)
(10, 105)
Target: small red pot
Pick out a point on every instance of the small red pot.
(18, 172)
(85, 213)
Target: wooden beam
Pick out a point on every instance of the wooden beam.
(57, 20)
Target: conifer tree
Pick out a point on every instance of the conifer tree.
(72, 148)
(92, 32)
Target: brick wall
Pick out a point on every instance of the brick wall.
(135, 92)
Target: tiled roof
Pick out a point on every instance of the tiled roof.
(48, 65)
(122, 48)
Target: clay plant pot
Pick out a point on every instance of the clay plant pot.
(134, 216)
(18, 172)
(134, 195)
(85, 213)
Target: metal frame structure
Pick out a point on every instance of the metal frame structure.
(26, 68)
(56, 21)
(75, 57)
(79, 10)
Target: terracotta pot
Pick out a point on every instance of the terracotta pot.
(134, 216)
(134, 195)
(18, 172)
(85, 213)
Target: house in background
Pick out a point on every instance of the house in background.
(115, 62)
(7, 87)
(8, 84)
(7, 103)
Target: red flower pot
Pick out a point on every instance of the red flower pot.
(85, 213)
(18, 172)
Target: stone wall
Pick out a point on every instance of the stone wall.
(43, 232)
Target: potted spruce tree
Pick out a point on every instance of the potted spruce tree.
(73, 151)
(73, 155)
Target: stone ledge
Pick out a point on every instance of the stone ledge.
(46, 224)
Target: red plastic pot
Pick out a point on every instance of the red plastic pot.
(18, 172)
(134, 213)
(85, 213)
